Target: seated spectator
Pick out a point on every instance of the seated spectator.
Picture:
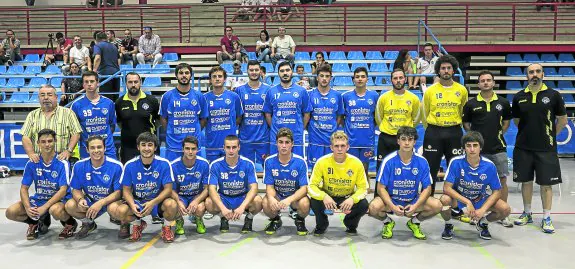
(283, 47)
(425, 65)
(247, 9)
(263, 47)
(79, 55)
(71, 87)
(63, 46)
(285, 8)
(301, 79)
(227, 50)
(263, 73)
(264, 8)
(112, 39)
(234, 81)
(149, 48)
(11, 46)
(129, 48)
(405, 63)
(239, 48)
(4, 59)
(319, 61)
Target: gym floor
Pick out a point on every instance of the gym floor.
(518, 247)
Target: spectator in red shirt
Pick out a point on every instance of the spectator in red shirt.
(227, 52)
(63, 45)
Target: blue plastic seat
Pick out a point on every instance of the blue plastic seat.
(382, 81)
(306, 67)
(170, 57)
(56, 82)
(370, 82)
(152, 82)
(33, 98)
(244, 68)
(390, 55)
(142, 68)
(510, 97)
(126, 67)
(269, 80)
(414, 54)
(566, 58)
(373, 55)
(379, 67)
(33, 70)
(337, 55)
(302, 56)
(566, 71)
(514, 85)
(531, 58)
(252, 56)
(161, 69)
(228, 67)
(276, 81)
(342, 81)
(312, 56)
(549, 58)
(514, 58)
(2, 82)
(2, 69)
(31, 58)
(36, 82)
(550, 72)
(269, 67)
(550, 84)
(514, 72)
(15, 70)
(52, 70)
(356, 65)
(568, 98)
(565, 85)
(15, 83)
(355, 55)
(18, 97)
(340, 67)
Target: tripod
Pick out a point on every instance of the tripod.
(49, 45)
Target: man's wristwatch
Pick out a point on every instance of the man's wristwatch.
(70, 151)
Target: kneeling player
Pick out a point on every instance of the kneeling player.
(400, 176)
(233, 188)
(146, 186)
(95, 184)
(466, 181)
(50, 178)
(285, 176)
(191, 185)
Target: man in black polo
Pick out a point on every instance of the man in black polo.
(539, 113)
(136, 112)
(490, 114)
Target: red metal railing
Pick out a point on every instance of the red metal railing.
(383, 22)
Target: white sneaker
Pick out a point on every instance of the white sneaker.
(506, 222)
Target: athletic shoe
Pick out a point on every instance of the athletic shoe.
(85, 229)
(292, 213)
(387, 230)
(351, 231)
(115, 221)
(506, 222)
(208, 215)
(328, 212)
(472, 222)
(137, 231)
(447, 232)
(124, 231)
(68, 230)
(167, 234)
(180, 226)
(157, 220)
(192, 218)
(273, 226)
(318, 232)
(483, 231)
(44, 224)
(524, 219)
(32, 232)
(417, 233)
(300, 227)
(547, 225)
(247, 225)
(224, 225)
(458, 215)
(200, 227)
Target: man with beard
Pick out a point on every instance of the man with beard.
(182, 112)
(254, 130)
(136, 112)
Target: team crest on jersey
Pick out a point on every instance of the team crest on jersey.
(415, 171)
(408, 102)
(370, 102)
(499, 107)
(295, 94)
(54, 174)
(242, 174)
(332, 100)
(145, 106)
(398, 171)
(483, 176)
(228, 101)
(106, 178)
(279, 114)
(457, 94)
(350, 172)
(294, 173)
(545, 100)
(264, 96)
(155, 174)
(194, 102)
(197, 175)
(105, 111)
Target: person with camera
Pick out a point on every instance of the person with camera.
(63, 46)
(11, 47)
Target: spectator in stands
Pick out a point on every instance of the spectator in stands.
(239, 48)
(106, 63)
(79, 55)
(51, 116)
(286, 9)
(63, 46)
(405, 63)
(425, 65)
(283, 47)
(112, 39)
(319, 61)
(227, 50)
(263, 47)
(4, 59)
(263, 73)
(301, 79)
(247, 9)
(93, 43)
(70, 86)
(232, 82)
(11, 46)
(149, 48)
(264, 7)
(129, 48)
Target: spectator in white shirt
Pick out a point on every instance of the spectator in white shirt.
(234, 81)
(263, 47)
(79, 55)
(283, 47)
(149, 48)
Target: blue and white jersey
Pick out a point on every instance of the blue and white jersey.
(254, 128)
(287, 107)
(359, 117)
(222, 111)
(190, 181)
(147, 183)
(402, 180)
(286, 178)
(323, 120)
(96, 182)
(47, 178)
(232, 181)
(183, 113)
(96, 118)
(472, 182)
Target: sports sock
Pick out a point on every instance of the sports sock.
(546, 213)
(87, 220)
(166, 222)
(415, 220)
(527, 208)
(483, 221)
(137, 221)
(29, 220)
(251, 216)
(387, 219)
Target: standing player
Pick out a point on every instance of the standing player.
(359, 124)
(50, 178)
(285, 176)
(181, 110)
(287, 105)
(254, 130)
(191, 185)
(96, 114)
(489, 114)
(95, 184)
(401, 176)
(326, 115)
(233, 188)
(146, 186)
(338, 181)
(539, 113)
(466, 183)
(224, 113)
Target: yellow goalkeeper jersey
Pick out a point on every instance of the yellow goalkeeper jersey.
(345, 179)
(394, 110)
(443, 106)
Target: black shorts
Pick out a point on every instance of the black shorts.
(544, 165)
(386, 144)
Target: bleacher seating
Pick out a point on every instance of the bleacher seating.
(550, 72)
(513, 85)
(269, 67)
(390, 55)
(141, 68)
(32, 70)
(161, 69)
(15, 70)
(312, 56)
(566, 72)
(514, 58)
(252, 56)
(373, 55)
(515, 72)
(170, 57)
(549, 58)
(2, 69)
(15, 83)
(566, 58)
(342, 81)
(52, 70)
(31, 58)
(379, 67)
(18, 97)
(2, 82)
(337, 55)
(340, 67)
(36, 82)
(56, 82)
(152, 82)
(531, 58)
(565, 85)
(302, 56)
(356, 65)
(355, 55)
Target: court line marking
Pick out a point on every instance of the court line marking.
(237, 245)
(483, 251)
(352, 247)
(143, 250)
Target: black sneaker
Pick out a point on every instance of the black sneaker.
(85, 229)
(157, 220)
(247, 225)
(447, 232)
(273, 226)
(292, 213)
(300, 227)
(44, 224)
(483, 231)
(224, 225)
(351, 231)
(318, 232)
(115, 221)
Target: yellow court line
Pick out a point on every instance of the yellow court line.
(143, 250)
(352, 247)
(237, 245)
(483, 251)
